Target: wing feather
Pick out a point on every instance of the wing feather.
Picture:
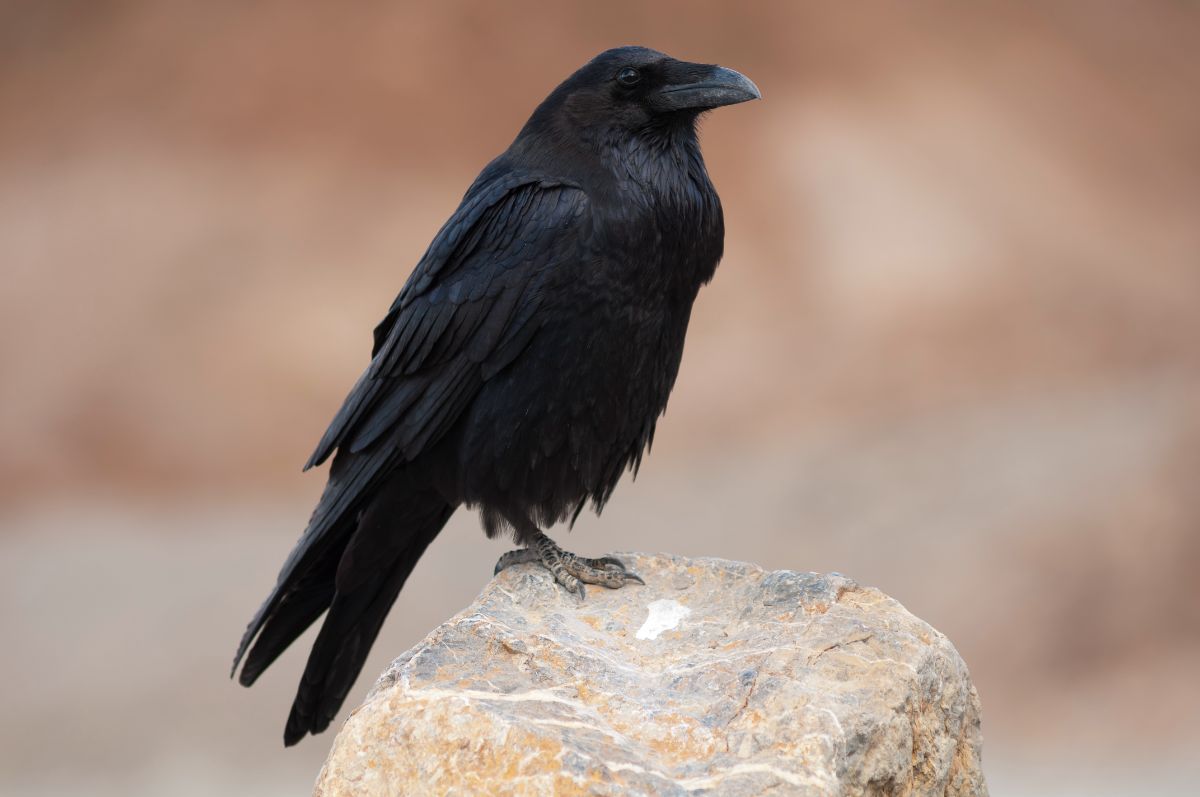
(466, 312)
(455, 323)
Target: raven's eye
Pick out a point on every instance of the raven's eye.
(629, 76)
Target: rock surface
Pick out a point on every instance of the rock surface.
(717, 677)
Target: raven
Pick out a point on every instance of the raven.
(523, 366)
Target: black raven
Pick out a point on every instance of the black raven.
(523, 366)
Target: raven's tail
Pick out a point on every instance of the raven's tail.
(391, 536)
(357, 581)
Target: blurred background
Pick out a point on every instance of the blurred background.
(953, 349)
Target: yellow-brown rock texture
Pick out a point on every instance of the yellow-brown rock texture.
(717, 678)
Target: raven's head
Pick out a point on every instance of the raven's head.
(635, 88)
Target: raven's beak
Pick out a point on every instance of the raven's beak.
(719, 87)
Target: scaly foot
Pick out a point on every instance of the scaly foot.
(568, 569)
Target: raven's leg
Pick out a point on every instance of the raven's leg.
(568, 569)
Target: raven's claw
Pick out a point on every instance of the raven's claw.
(570, 570)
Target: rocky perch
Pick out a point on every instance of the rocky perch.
(716, 677)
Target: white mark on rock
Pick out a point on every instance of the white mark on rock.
(664, 615)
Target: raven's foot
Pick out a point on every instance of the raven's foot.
(568, 569)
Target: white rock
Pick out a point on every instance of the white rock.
(663, 615)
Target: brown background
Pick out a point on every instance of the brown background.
(952, 350)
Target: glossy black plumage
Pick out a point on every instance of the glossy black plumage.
(523, 366)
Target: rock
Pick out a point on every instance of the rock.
(717, 677)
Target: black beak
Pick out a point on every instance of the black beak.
(718, 87)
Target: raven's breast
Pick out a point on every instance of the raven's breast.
(575, 409)
(563, 421)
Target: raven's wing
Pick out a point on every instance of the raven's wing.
(467, 310)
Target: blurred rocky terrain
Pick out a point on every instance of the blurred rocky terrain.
(952, 349)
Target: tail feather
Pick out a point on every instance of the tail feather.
(330, 528)
(295, 613)
(338, 656)
(392, 534)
